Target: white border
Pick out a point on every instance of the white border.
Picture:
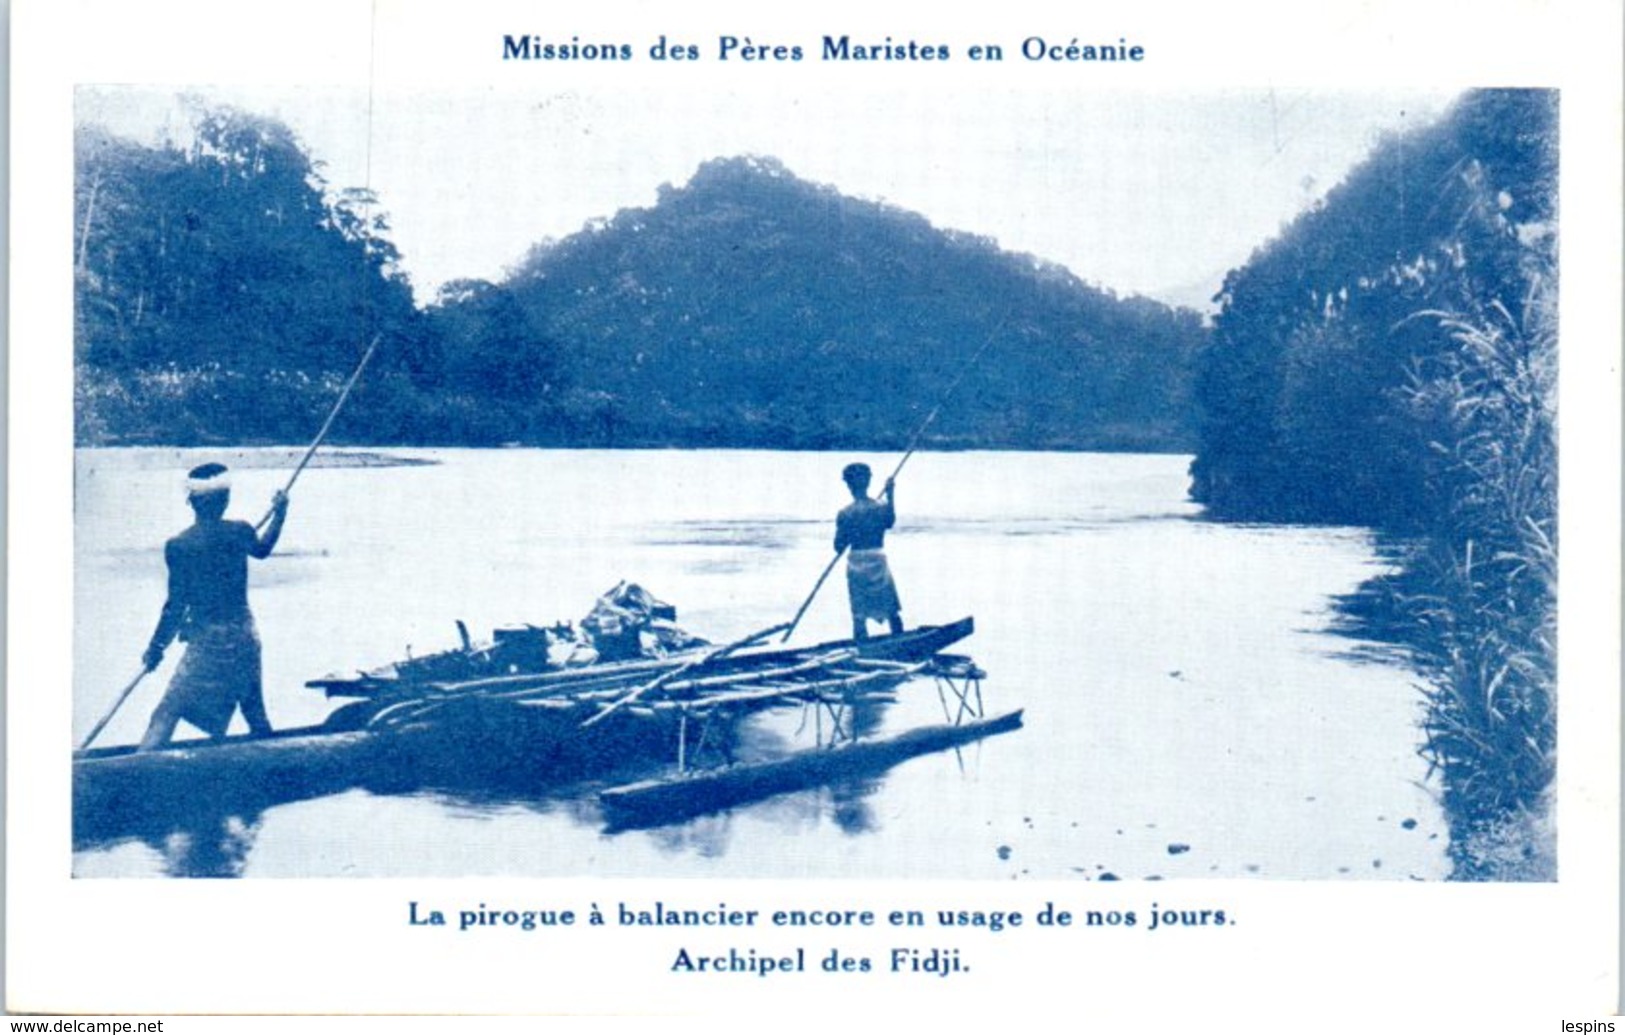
(1332, 952)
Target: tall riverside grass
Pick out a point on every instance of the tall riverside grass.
(1480, 593)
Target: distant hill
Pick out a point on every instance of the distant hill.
(223, 290)
(752, 308)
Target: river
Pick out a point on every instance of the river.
(1188, 712)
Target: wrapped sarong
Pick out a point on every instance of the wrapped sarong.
(869, 584)
(219, 671)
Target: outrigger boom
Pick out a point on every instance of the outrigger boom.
(530, 731)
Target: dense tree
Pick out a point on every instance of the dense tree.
(220, 286)
(1390, 360)
(749, 307)
(1301, 388)
(224, 290)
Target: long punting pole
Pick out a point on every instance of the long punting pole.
(913, 444)
(128, 690)
(327, 424)
(320, 435)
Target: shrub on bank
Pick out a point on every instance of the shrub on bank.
(1480, 596)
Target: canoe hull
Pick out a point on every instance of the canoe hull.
(475, 746)
(659, 802)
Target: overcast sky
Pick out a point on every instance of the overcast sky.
(1144, 193)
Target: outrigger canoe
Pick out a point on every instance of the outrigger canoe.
(526, 730)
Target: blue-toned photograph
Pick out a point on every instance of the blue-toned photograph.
(1063, 485)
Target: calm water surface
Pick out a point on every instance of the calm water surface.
(1187, 712)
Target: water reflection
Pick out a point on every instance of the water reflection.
(208, 827)
(214, 849)
(850, 806)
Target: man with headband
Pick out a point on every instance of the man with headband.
(207, 609)
(861, 528)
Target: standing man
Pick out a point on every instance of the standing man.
(861, 527)
(208, 609)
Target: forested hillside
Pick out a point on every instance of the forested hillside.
(1391, 360)
(752, 308)
(223, 290)
(1307, 387)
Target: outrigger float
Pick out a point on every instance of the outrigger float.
(512, 715)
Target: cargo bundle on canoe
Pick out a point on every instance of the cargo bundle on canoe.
(626, 624)
(519, 713)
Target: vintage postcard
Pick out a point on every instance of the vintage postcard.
(615, 512)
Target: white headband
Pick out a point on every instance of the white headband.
(215, 483)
